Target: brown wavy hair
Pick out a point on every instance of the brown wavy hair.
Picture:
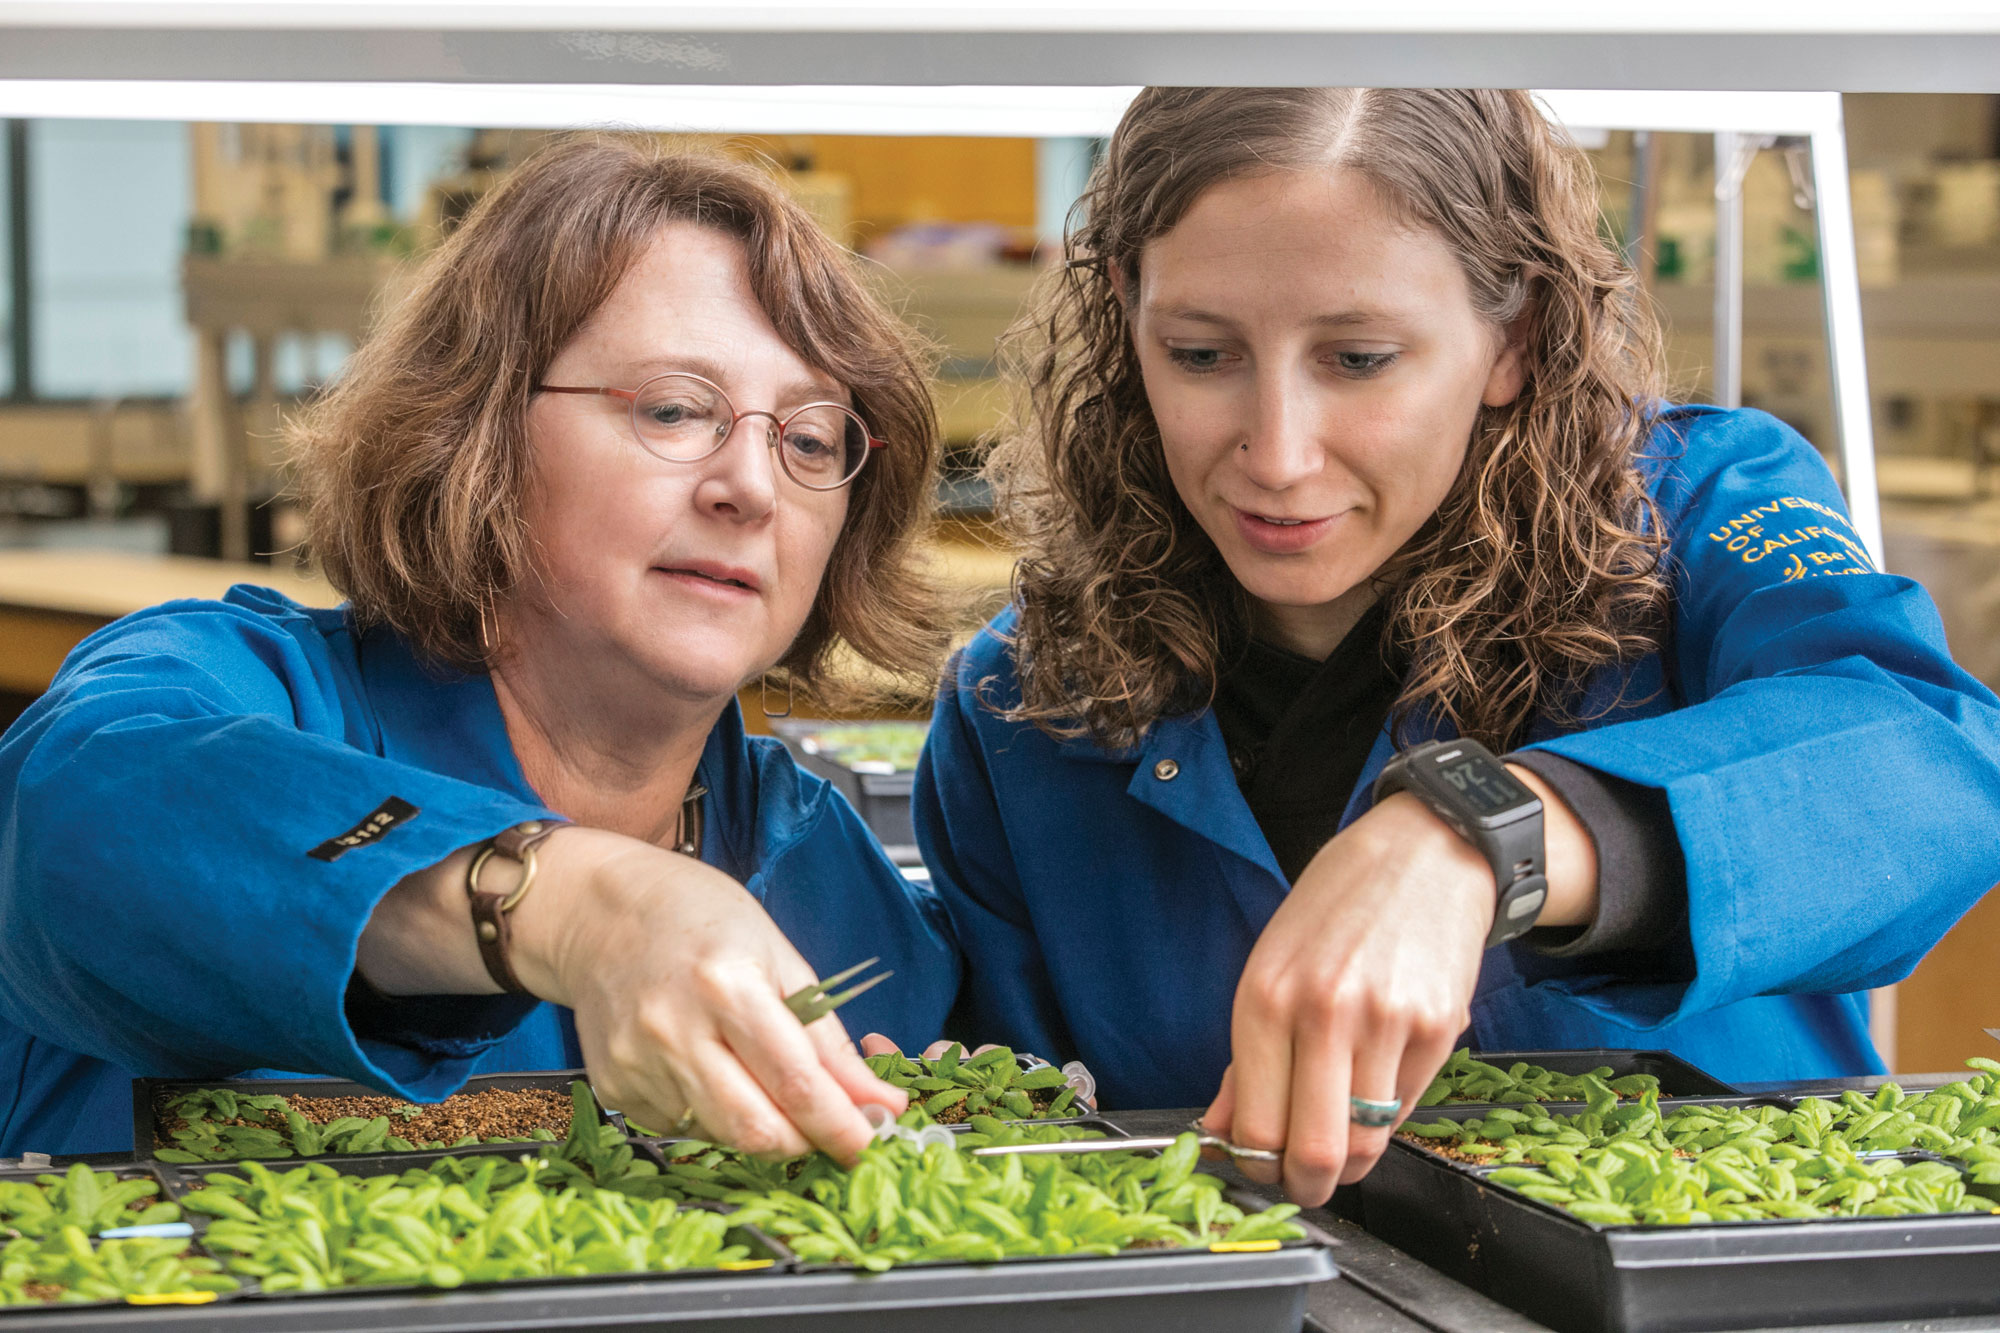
(1545, 560)
(413, 466)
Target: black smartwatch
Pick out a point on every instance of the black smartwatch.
(1489, 807)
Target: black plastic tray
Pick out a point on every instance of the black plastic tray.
(772, 1252)
(1169, 1292)
(1677, 1077)
(882, 799)
(1140, 1292)
(188, 1175)
(1477, 1111)
(146, 1092)
(1577, 1277)
(162, 1175)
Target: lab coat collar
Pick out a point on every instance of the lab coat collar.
(1184, 773)
(1203, 796)
(448, 721)
(438, 718)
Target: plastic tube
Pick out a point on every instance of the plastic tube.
(880, 1119)
(1079, 1078)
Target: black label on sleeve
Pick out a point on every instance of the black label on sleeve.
(384, 817)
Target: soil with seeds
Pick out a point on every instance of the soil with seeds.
(491, 1113)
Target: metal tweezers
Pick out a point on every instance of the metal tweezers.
(812, 1003)
(1069, 1147)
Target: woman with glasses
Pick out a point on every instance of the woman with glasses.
(1392, 667)
(638, 436)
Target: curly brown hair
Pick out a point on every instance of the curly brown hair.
(413, 466)
(1544, 562)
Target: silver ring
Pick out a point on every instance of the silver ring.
(1374, 1115)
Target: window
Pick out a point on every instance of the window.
(7, 206)
(107, 209)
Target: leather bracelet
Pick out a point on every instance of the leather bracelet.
(492, 912)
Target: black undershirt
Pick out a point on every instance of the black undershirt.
(1299, 734)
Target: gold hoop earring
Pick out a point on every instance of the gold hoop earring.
(764, 695)
(485, 638)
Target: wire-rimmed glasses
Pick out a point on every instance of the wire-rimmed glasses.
(684, 418)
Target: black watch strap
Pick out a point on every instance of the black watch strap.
(1465, 785)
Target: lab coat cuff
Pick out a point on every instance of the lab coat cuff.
(1641, 879)
(437, 1027)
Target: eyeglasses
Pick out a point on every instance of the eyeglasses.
(683, 418)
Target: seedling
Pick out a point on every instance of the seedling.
(1631, 1183)
(312, 1228)
(65, 1267)
(91, 1201)
(229, 1125)
(955, 1087)
(1819, 1157)
(916, 1198)
(892, 748)
(1465, 1079)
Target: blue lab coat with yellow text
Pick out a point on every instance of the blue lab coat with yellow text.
(162, 911)
(1834, 781)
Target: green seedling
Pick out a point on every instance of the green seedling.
(1464, 1079)
(462, 1220)
(224, 1125)
(911, 1202)
(65, 1267)
(91, 1201)
(584, 1207)
(1808, 1160)
(956, 1087)
(1630, 1184)
(894, 746)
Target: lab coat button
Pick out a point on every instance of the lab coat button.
(1166, 770)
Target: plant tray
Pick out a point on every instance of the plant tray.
(1142, 1291)
(1169, 1292)
(148, 1094)
(878, 792)
(1677, 1077)
(1578, 1277)
(11, 1316)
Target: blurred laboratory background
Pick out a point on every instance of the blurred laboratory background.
(168, 292)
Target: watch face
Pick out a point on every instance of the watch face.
(1488, 788)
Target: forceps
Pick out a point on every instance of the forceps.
(1068, 1147)
(812, 1003)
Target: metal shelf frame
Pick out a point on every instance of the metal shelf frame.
(1030, 67)
(1931, 45)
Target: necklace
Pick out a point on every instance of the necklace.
(687, 829)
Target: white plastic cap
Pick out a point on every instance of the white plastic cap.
(1080, 1079)
(936, 1134)
(880, 1119)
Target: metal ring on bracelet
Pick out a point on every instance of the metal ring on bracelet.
(1374, 1115)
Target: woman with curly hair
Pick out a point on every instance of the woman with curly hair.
(640, 434)
(1387, 658)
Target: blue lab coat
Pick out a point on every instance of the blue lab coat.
(162, 911)
(1834, 781)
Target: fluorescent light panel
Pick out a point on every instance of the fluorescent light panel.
(1024, 112)
(1034, 112)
